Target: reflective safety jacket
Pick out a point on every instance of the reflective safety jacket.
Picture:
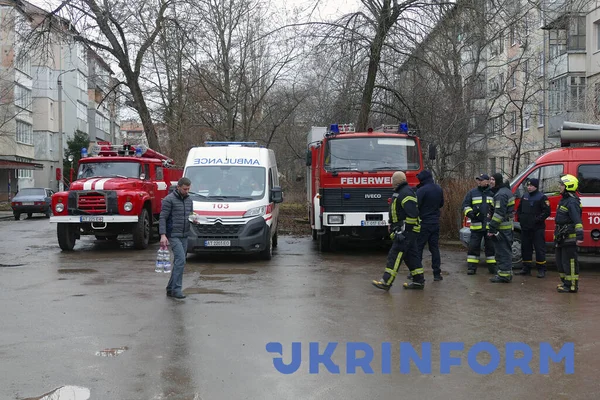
(569, 227)
(475, 206)
(404, 209)
(504, 205)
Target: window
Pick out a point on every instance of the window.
(160, 174)
(541, 63)
(558, 95)
(540, 15)
(577, 93)
(81, 111)
(493, 164)
(23, 97)
(24, 133)
(526, 72)
(557, 42)
(81, 81)
(540, 116)
(589, 178)
(513, 77)
(513, 122)
(597, 31)
(549, 177)
(526, 118)
(577, 34)
(502, 164)
(24, 173)
(23, 63)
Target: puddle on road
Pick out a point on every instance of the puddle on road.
(112, 352)
(65, 393)
(204, 291)
(213, 278)
(76, 271)
(10, 265)
(227, 271)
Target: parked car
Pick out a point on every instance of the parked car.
(32, 200)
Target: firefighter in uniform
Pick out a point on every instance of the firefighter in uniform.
(475, 206)
(533, 210)
(568, 234)
(501, 229)
(404, 231)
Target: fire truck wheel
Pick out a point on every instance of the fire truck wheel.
(516, 249)
(141, 233)
(67, 236)
(275, 240)
(325, 241)
(267, 253)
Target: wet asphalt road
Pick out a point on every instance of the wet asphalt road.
(97, 318)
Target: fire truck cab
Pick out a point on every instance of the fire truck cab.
(349, 179)
(582, 162)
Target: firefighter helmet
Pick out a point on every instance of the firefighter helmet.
(570, 182)
(398, 178)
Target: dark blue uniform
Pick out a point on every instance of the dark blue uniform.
(532, 212)
(476, 206)
(430, 199)
(569, 229)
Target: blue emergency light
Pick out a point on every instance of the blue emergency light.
(84, 152)
(334, 128)
(404, 127)
(138, 152)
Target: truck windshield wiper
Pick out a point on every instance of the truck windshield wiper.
(230, 197)
(382, 168)
(197, 194)
(119, 176)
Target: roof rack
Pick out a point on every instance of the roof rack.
(104, 148)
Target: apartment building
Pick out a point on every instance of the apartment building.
(59, 86)
(17, 156)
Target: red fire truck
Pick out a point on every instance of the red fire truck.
(118, 190)
(349, 178)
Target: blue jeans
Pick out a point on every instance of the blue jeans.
(179, 248)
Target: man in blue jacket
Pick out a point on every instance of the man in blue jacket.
(430, 199)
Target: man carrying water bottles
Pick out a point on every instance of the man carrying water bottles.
(173, 228)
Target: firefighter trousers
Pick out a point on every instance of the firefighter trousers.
(404, 249)
(503, 246)
(475, 249)
(568, 266)
(533, 239)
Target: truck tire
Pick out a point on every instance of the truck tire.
(67, 236)
(325, 241)
(516, 249)
(267, 253)
(141, 232)
(314, 234)
(275, 240)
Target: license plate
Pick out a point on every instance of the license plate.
(28, 203)
(373, 223)
(217, 243)
(89, 218)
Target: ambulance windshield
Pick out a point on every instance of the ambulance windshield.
(230, 182)
(371, 154)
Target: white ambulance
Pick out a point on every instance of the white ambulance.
(236, 194)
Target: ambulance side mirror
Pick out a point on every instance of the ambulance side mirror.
(308, 158)
(276, 194)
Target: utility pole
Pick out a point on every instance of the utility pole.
(61, 152)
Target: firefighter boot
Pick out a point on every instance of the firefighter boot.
(541, 273)
(500, 279)
(381, 285)
(418, 283)
(471, 270)
(568, 288)
(525, 271)
(438, 276)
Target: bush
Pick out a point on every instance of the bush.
(451, 217)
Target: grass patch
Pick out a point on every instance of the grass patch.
(293, 219)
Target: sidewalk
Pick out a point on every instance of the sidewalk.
(4, 215)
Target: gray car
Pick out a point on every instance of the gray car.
(32, 200)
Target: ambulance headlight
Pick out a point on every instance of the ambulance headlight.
(255, 212)
(335, 219)
(59, 207)
(128, 206)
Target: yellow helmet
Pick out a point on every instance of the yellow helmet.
(570, 182)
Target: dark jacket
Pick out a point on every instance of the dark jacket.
(404, 209)
(533, 210)
(504, 205)
(569, 227)
(430, 199)
(174, 215)
(476, 206)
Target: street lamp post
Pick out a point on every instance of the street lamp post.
(71, 170)
(61, 183)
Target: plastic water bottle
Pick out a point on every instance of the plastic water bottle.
(159, 261)
(167, 260)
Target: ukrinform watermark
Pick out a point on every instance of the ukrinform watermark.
(518, 356)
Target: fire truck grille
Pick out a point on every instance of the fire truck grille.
(356, 199)
(217, 230)
(92, 203)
